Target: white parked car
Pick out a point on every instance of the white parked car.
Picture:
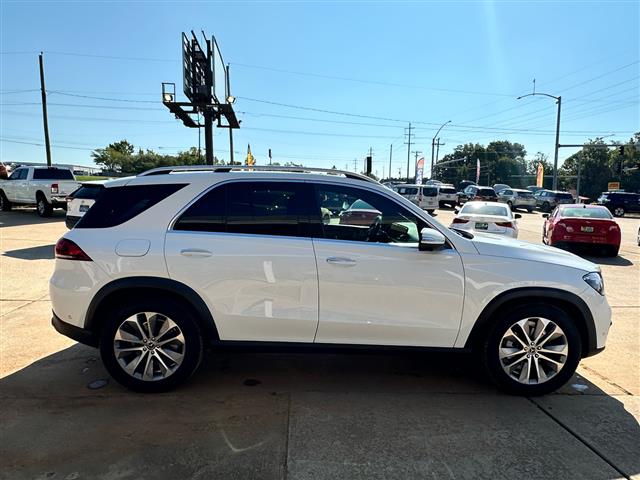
(424, 196)
(80, 201)
(486, 217)
(44, 187)
(177, 259)
(447, 195)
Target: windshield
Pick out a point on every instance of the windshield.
(360, 205)
(430, 191)
(564, 196)
(447, 190)
(582, 212)
(486, 191)
(482, 209)
(524, 194)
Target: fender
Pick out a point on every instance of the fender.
(586, 325)
(129, 285)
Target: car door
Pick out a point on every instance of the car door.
(375, 286)
(245, 248)
(16, 184)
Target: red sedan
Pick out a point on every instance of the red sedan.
(582, 224)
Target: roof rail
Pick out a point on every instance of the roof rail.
(260, 168)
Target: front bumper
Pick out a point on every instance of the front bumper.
(75, 333)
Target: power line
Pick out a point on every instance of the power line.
(67, 94)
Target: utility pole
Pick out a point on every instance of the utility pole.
(438, 149)
(45, 120)
(228, 92)
(390, 155)
(578, 180)
(415, 163)
(408, 151)
(355, 165)
(555, 156)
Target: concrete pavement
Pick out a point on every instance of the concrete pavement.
(293, 415)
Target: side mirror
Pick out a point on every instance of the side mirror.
(545, 215)
(517, 215)
(430, 239)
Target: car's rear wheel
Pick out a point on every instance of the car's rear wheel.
(44, 208)
(510, 205)
(151, 346)
(5, 204)
(532, 350)
(529, 209)
(619, 211)
(546, 207)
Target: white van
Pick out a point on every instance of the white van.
(424, 196)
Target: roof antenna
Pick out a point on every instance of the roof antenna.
(534, 86)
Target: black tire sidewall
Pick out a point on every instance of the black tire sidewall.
(47, 210)
(490, 348)
(181, 315)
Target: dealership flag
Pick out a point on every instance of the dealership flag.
(540, 175)
(419, 170)
(477, 170)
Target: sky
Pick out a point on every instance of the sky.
(320, 83)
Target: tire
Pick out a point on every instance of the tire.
(44, 208)
(187, 348)
(510, 206)
(618, 212)
(529, 209)
(430, 212)
(5, 204)
(546, 207)
(498, 340)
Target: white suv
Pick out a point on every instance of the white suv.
(177, 259)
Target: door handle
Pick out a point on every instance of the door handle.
(347, 262)
(195, 252)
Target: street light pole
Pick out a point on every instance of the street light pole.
(433, 142)
(558, 100)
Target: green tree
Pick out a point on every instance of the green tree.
(114, 157)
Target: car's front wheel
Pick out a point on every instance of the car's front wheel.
(532, 350)
(5, 204)
(151, 346)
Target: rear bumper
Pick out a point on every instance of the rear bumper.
(75, 333)
(584, 239)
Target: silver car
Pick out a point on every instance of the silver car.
(517, 198)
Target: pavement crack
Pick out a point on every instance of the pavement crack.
(286, 439)
(602, 377)
(579, 438)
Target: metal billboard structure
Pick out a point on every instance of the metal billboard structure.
(205, 83)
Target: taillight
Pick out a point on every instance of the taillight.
(460, 220)
(504, 224)
(68, 250)
(613, 228)
(54, 188)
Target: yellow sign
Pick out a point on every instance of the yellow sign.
(613, 186)
(250, 160)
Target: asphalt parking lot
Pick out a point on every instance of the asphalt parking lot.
(259, 415)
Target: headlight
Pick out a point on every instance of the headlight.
(595, 281)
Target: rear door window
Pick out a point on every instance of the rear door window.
(256, 208)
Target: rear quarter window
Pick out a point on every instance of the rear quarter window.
(52, 174)
(117, 205)
(88, 192)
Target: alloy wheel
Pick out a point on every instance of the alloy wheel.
(149, 346)
(41, 206)
(618, 212)
(533, 350)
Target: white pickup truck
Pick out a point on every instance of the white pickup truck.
(44, 187)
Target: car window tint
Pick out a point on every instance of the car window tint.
(117, 205)
(88, 192)
(16, 175)
(265, 208)
(383, 222)
(207, 214)
(52, 174)
(255, 208)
